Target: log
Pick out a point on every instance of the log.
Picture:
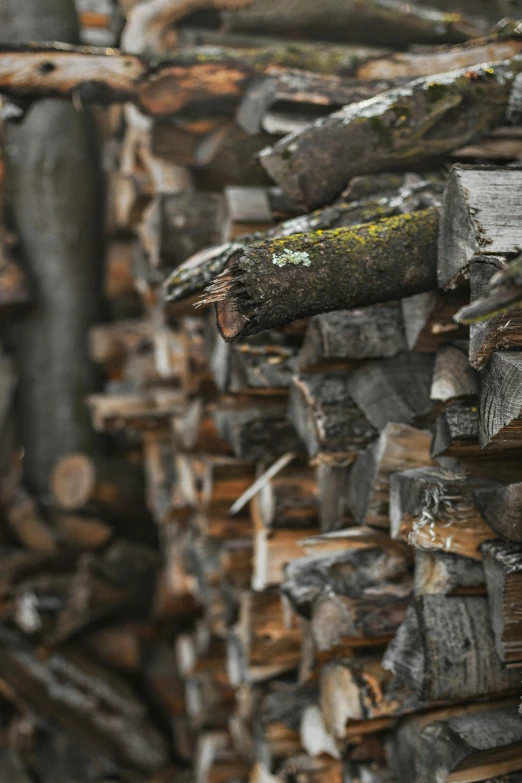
(443, 573)
(404, 194)
(399, 447)
(393, 390)
(452, 376)
(429, 319)
(45, 158)
(335, 338)
(445, 651)
(109, 718)
(377, 23)
(500, 404)
(466, 749)
(28, 525)
(434, 508)
(257, 431)
(499, 332)
(324, 271)
(110, 488)
(402, 749)
(501, 508)
(325, 415)
(480, 217)
(503, 569)
(378, 571)
(455, 432)
(332, 479)
(273, 549)
(289, 500)
(360, 690)
(399, 128)
(502, 295)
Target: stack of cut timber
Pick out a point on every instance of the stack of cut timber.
(325, 583)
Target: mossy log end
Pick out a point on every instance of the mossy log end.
(404, 127)
(273, 283)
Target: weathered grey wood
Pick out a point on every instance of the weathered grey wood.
(399, 447)
(428, 319)
(442, 573)
(379, 21)
(434, 508)
(500, 332)
(380, 572)
(452, 375)
(257, 431)
(325, 416)
(343, 335)
(480, 216)
(393, 390)
(470, 747)
(498, 295)
(455, 432)
(177, 225)
(57, 221)
(503, 568)
(332, 479)
(445, 650)
(500, 424)
(324, 271)
(501, 508)
(423, 120)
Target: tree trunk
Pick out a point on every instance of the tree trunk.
(54, 200)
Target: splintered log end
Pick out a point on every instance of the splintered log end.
(225, 291)
(72, 481)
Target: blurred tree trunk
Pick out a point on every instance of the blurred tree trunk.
(54, 200)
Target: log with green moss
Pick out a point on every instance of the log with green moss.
(198, 271)
(408, 126)
(273, 283)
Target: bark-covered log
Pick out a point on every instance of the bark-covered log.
(469, 748)
(501, 508)
(325, 416)
(445, 650)
(433, 508)
(343, 335)
(500, 422)
(429, 319)
(377, 22)
(399, 447)
(46, 157)
(424, 120)
(275, 282)
(503, 568)
(405, 194)
(480, 216)
(83, 700)
(257, 431)
(443, 573)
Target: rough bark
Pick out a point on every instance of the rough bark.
(272, 283)
(455, 432)
(503, 569)
(410, 125)
(46, 157)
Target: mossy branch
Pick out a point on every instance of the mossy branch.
(273, 283)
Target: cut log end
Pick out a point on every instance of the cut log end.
(73, 480)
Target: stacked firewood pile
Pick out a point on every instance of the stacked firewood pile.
(298, 559)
